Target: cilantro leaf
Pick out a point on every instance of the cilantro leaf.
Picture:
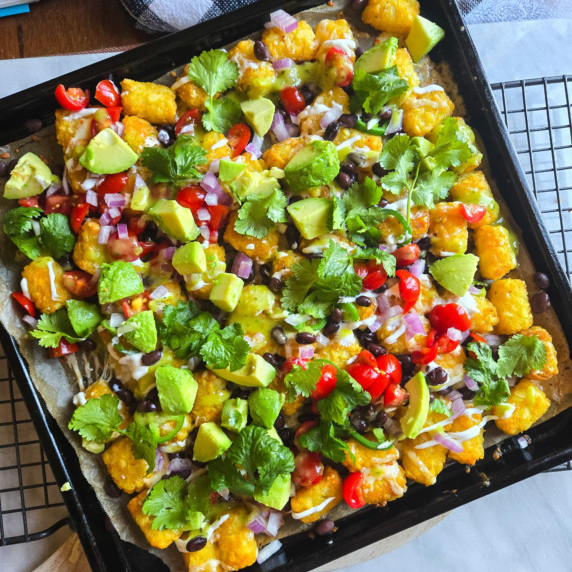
(338, 215)
(251, 463)
(493, 389)
(521, 354)
(52, 328)
(386, 259)
(323, 439)
(451, 148)
(143, 442)
(259, 213)
(18, 226)
(438, 406)
(304, 276)
(226, 348)
(213, 71)
(347, 395)
(57, 235)
(300, 381)
(97, 419)
(432, 186)
(373, 91)
(30, 246)
(363, 195)
(398, 155)
(221, 114)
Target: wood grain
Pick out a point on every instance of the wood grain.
(69, 557)
(55, 27)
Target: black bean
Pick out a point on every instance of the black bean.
(436, 376)
(111, 489)
(33, 125)
(275, 284)
(293, 236)
(356, 158)
(324, 527)
(261, 52)
(265, 273)
(287, 436)
(359, 4)
(305, 338)
(307, 94)
(348, 120)
(147, 406)
(152, 357)
(10, 166)
(378, 170)
(330, 328)
(240, 393)
(349, 89)
(406, 363)
(331, 131)
(278, 335)
(337, 315)
(386, 113)
(381, 289)
(357, 420)
(349, 168)
(380, 419)
(271, 359)
(365, 337)
(376, 350)
(308, 417)
(367, 412)
(540, 302)
(345, 180)
(467, 393)
(149, 232)
(115, 385)
(541, 280)
(424, 243)
(87, 345)
(359, 52)
(280, 422)
(364, 301)
(197, 543)
(3, 168)
(382, 203)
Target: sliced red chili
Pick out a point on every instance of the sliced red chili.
(352, 490)
(425, 355)
(107, 93)
(291, 362)
(64, 348)
(478, 338)
(29, 202)
(25, 302)
(238, 138)
(77, 216)
(72, 99)
(114, 113)
(409, 289)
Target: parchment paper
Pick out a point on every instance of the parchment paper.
(58, 384)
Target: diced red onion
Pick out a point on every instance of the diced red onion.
(395, 123)
(104, 234)
(493, 340)
(413, 325)
(205, 232)
(418, 267)
(457, 405)
(294, 118)
(383, 302)
(211, 185)
(258, 523)
(118, 127)
(454, 395)
(282, 63)
(283, 21)
(333, 114)
(390, 313)
(116, 319)
(377, 323)
(267, 551)
(393, 427)
(65, 183)
(180, 466)
(292, 129)
(448, 442)
(322, 340)
(116, 200)
(105, 218)
(30, 320)
(242, 265)
(253, 150)
(474, 290)
(168, 253)
(214, 166)
(122, 231)
(306, 352)
(211, 199)
(159, 293)
(52, 189)
(159, 460)
(114, 212)
(454, 334)
(279, 127)
(470, 383)
(465, 335)
(91, 198)
(274, 523)
(203, 214)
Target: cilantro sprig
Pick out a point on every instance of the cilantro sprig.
(214, 72)
(52, 328)
(259, 213)
(373, 90)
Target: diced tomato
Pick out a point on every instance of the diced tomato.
(72, 99)
(106, 92)
(29, 202)
(389, 365)
(114, 113)
(424, 355)
(219, 214)
(308, 469)
(478, 338)
(58, 204)
(80, 283)
(64, 348)
(341, 64)
(190, 117)
(292, 100)
(126, 249)
(238, 138)
(375, 279)
(77, 216)
(326, 383)
(394, 396)
(409, 289)
(445, 316)
(374, 375)
(364, 374)
(352, 490)
(192, 197)
(136, 224)
(291, 362)
(471, 212)
(147, 247)
(25, 302)
(367, 358)
(112, 184)
(407, 255)
(361, 269)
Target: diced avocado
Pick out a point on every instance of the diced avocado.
(418, 409)
(314, 165)
(234, 415)
(211, 443)
(455, 273)
(118, 280)
(93, 446)
(423, 36)
(144, 335)
(277, 495)
(380, 57)
(190, 258)
(251, 182)
(30, 177)
(311, 216)
(264, 405)
(259, 113)
(141, 199)
(229, 170)
(84, 317)
(226, 291)
(177, 389)
(257, 372)
(175, 220)
(107, 153)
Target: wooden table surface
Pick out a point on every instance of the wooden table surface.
(55, 27)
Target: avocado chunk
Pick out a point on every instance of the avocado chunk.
(380, 57)
(143, 336)
(311, 216)
(211, 443)
(259, 113)
(264, 405)
(257, 372)
(84, 317)
(226, 291)
(118, 280)
(234, 415)
(141, 198)
(314, 165)
(30, 177)
(229, 170)
(177, 389)
(423, 36)
(455, 273)
(107, 153)
(418, 409)
(277, 495)
(175, 220)
(190, 258)
(251, 182)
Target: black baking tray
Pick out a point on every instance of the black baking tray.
(550, 441)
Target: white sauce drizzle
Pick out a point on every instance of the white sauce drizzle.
(314, 509)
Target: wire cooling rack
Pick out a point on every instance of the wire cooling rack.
(538, 115)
